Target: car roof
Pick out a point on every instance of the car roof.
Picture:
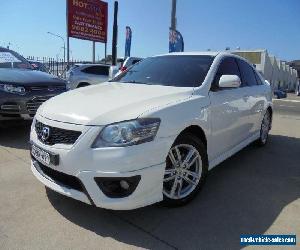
(91, 64)
(203, 53)
(192, 53)
(207, 53)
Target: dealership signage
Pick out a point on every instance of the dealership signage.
(128, 41)
(7, 57)
(87, 19)
(176, 43)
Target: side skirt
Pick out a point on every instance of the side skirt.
(237, 148)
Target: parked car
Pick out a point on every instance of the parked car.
(39, 66)
(129, 61)
(152, 133)
(22, 89)
(279, 93)
(82, 75)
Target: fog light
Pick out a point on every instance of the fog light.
(124, 184)
(118, 187)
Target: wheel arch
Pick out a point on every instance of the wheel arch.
(197, 131)
(83, 84)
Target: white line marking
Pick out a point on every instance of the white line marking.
(287, 106)
(284, 100)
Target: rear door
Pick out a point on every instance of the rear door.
(255, 95)
(229, 111)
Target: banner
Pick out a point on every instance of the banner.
(176, 43)
(87, 19)
(128, 41)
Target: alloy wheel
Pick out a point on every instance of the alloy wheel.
(183, 171)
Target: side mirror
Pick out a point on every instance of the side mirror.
(229, 81)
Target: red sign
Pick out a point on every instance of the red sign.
(87, 19)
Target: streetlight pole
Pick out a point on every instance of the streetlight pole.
(115, 35)
(173, 15)
(50, 33)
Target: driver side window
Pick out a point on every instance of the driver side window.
(228, 66)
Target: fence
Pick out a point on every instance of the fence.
(54, 66)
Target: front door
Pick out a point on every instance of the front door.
(228, 111)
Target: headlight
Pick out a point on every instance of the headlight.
(12, 89)
(68, 85)
(127, 133)
(33, 124)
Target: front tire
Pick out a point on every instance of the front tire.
(265, 128)
(186, 170)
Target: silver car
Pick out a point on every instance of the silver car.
(81, 75)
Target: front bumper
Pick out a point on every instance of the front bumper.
(81, 161)
(13, 106)
(148, 191)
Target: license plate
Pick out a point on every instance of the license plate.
(41, 155)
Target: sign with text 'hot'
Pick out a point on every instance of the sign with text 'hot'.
(87, 19)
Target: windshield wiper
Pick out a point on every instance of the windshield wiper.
(134, 81)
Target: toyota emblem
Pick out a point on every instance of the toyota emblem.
(45, 133)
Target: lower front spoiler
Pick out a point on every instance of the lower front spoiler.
(72, 193)
(148, 191)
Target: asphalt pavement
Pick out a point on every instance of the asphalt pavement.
(257, 191)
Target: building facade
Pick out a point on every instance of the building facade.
(280, 74)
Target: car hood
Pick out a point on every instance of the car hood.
(110, 102)
(25, 77)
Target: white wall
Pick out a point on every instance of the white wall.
(277, 72)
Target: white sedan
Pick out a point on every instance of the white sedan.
(152, 133)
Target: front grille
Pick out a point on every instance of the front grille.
(10, 106)
(56, 135)
(33, 105)
(47, 88)
(60, 178)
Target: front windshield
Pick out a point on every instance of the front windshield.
(11, 59)
(170, 70)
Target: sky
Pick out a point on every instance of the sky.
(205, 24)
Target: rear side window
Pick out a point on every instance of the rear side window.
(247, 72)
(97, 70)
(228, 66)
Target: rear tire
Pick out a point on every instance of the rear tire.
(186, 170)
